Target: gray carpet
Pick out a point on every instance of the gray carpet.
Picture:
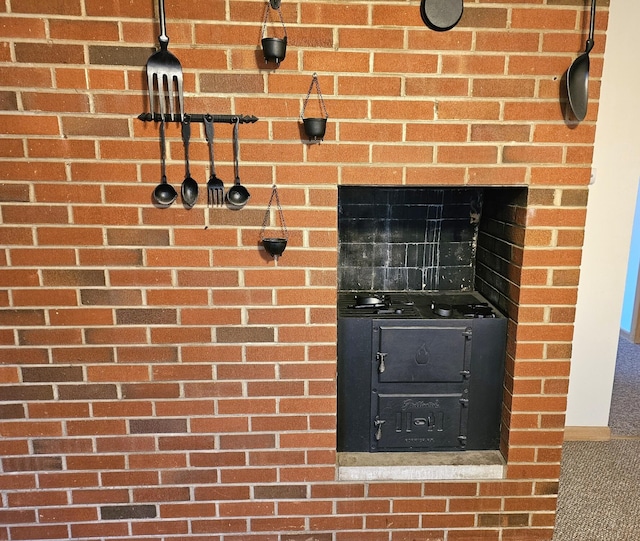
(624, 417)
(599, 498)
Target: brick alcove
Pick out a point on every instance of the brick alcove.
(161, 376)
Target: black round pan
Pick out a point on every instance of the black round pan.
(441, 15)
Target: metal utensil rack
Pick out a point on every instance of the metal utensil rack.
(223, 119)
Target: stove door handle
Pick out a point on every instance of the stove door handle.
(378, 424)
(380, 358)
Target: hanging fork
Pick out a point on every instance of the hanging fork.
(215, 187)
(164, 69)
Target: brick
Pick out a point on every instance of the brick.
(21, 464)
(286, 492)
(111, 55)
(58, 102)
(24, 356)
(92, 462)
(110, 297)
(49, 336)
(145, 316)
(96, 426)
(66, 410)
(48, 531)
(76, 278)
(20, 318)
(152, 426)
(104, 127)
(120, 512)
(87, 392)
(135, 391)
(44, 53)
(52, 373)
(12, 411)
(68, 479)
(102, 496)
(245, 334)
(82, 354)
(27, 392)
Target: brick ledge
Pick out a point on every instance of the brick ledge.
(476, 465)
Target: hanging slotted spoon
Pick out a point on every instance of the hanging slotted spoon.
(165, 70)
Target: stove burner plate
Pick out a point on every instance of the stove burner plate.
(415, 305)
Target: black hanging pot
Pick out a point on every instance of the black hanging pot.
(441, 15)
(274, 246)
(274, 49)
(315, 127)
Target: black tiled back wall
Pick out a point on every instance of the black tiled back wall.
(407, 239)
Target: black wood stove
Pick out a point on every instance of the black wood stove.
(419, 372)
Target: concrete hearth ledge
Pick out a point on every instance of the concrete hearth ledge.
(420, 466)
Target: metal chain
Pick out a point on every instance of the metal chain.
(314, 81)
(267, 215)
(266, 18)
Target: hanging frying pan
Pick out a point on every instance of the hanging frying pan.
(441, 15)
(578, 75)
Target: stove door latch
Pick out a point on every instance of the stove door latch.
(380, 358)
(378, 424)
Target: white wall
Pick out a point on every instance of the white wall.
(609, 223)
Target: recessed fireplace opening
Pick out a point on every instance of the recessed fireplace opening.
(412, 251)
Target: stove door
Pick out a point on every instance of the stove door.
(421, 353)
(421, 422)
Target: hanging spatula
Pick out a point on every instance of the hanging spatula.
(165, 71)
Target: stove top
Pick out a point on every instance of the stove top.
(415, 304)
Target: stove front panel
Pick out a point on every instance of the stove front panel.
(424, 353)
(419, 422)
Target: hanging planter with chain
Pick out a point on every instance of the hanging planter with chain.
(274, 49)
(274, 245)
(315, 127)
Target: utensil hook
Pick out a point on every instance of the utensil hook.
(316, 83)
(236, 151)
(163, 153)
(592, 24)
(162, 38)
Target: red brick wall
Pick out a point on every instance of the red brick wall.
(160, 377)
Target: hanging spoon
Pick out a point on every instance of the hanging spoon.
(237, 195)
(189, 185)
(164, 194)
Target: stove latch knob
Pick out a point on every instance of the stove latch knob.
(378, 424)
(465, 373)
(380, 358)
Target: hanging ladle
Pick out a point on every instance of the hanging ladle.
(237, 195)
(189, 184)
(164, 194)
(578, 74)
